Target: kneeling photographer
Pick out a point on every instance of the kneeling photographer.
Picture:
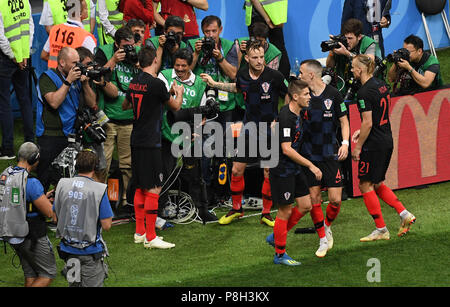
(196, 100)
(61, 91)
(121, 58)
(343, 48)
(414, 70)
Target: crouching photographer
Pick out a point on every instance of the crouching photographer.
(414, 70)
(196, 100)
(61, 91)
(343, 48)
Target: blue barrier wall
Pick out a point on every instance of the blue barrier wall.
(309, 23)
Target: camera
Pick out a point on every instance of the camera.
(329, 76)
(396, 56)
(211, 107)
(208, 46)
(353, 86)
(333, 43)
(172, 39)
(131, 56)
(95, 73)
(87, 123)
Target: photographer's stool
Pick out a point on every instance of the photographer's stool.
(432, 7)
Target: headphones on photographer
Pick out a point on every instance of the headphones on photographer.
(35, 156)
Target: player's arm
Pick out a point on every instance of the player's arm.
(366, 127)
(199, 4)
(345, 131)
(291, 153)
(227, 87)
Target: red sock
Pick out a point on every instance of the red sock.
(139, 212)
(317, 218)
(296, 215)
(237, 187)
(332, 212)
(389, 198)
(151, 212)
(266, 196)
(374, 208)
(280, 235)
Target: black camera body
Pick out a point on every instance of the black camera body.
(131, 56)
(353, 86)
(212, 107)
(87, 123)
(208, 46)
(95, 73)
(333, 43)
(172, 39)
(397, 56)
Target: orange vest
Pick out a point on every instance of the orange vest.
(62, 36)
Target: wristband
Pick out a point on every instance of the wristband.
(345, 142)
(221, 60)
(411, 70)
(67, 83)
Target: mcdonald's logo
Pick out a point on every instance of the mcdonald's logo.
(426, 128)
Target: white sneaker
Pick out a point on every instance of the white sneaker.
(329, 235)
(376, 235)
(322, 251)
(141, 239)
(158, 243)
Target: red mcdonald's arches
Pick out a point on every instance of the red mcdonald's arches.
(421, 132)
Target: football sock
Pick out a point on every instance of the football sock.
(151, 212)
(373, 206)
(266, 196)
(280, 235)
(389, 198)
(237, 187)
(139, 212)
(296, 215)
(332, 212)
(317, 218)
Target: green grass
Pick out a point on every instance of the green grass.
(236, 255)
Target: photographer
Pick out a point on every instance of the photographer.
(137, 26)
(98, 83)
(167, 44)
(194, 97)
(217, 57)
(69, 34)
(351, 44)
(22, 218)
(374, 14)
(83, 210)
(121, 58)
(421, 72)
(61, 90)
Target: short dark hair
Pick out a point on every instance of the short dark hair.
(414, 40)
(123, 33)
(253, 45)
(211, 19)
(135, 23)
(185, 54)
(86, 161)
(84, 53)
(295, 86)
(354, 26)
(146, 56)
(259, 29)
(174, 21)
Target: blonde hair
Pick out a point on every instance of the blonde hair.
(367, 62)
